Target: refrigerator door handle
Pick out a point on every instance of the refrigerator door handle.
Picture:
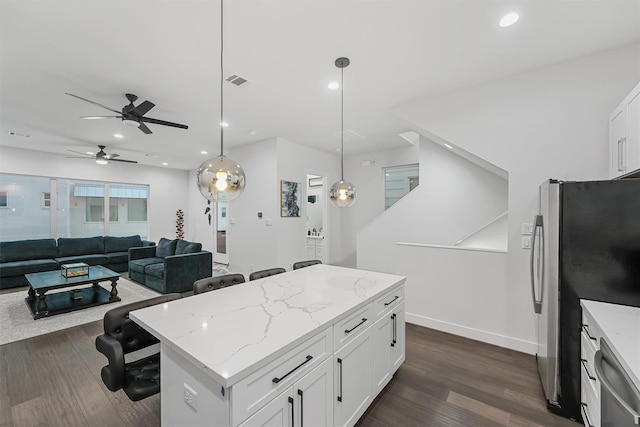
(537, 228)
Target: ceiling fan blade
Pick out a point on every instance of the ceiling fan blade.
(81, 158)
(89, 156)
(143, 108)
(162, 122)
(94, 103)
(111, 156)
(122, 160)
(144, 128)
(100, 117)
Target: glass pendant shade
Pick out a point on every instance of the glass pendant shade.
(342, 194)
(220, 179)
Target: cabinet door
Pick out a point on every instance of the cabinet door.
(399, 342)
(617, 141)
(633, 131)
(314, 397)
(352, 379)
(382, 341)
(280, 412)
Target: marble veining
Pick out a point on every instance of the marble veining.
(231, 330)
(620, 325)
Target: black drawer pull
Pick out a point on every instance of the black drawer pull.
(586, 369)
(301, 408)
(277, 380)
(340, 373)
(348, 331)
(586, 329)
(293, 418)
(395, 327)
(391, 302)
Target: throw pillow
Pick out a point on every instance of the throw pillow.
(184, 247)
(166, 248)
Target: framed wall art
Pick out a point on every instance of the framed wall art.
(289, 199)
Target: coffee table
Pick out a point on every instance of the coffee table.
(63, 302)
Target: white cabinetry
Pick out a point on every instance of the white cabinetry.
(388, 338)
(589, 384)
(307, 403)
(624, 135)
(353, 379)
(315, 247)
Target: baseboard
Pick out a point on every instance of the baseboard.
(474, 334)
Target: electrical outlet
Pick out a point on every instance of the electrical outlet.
(251, 267)
(526, 242)
(190, 397)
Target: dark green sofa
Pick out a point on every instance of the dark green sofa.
(171, 266)
(33, 256)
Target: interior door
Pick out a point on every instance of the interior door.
(220, 236)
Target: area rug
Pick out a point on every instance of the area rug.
(17, 324)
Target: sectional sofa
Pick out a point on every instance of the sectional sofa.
(171, 266)
(33, 256)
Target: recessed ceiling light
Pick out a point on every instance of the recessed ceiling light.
(448, 146)
(509, 19)
(118, 135)
(224, 124)
(252, 132)
(203, 152)
(165, 164)
(333, 85)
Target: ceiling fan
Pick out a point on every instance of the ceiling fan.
(101, 157)
(132, 115)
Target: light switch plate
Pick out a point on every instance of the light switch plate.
(527, 229)
(526, 242)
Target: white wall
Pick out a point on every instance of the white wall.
(369, 183)
(295, 161)
(455, 197)
(250, 242)
(548, 123)
(166, 186)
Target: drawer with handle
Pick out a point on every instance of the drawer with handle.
(255, 390)
(351, 326)
(388, 301)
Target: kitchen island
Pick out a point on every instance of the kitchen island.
(313, 346)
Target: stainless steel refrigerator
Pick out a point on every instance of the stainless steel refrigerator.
(585, 244)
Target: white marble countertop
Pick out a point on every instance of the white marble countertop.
(620, 325)
(230, 331)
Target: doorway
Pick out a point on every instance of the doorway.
(220, 254)
(317, 220)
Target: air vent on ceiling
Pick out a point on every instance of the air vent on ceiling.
(236, 80)
(349, 135)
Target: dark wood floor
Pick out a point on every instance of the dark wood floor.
(54, 380)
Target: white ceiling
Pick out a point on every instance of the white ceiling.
(168, 52)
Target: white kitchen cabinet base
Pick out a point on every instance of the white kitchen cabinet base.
(267, 354)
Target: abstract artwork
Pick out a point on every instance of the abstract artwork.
(289, 197)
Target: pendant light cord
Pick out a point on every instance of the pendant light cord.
(221, 78)
(342, 124)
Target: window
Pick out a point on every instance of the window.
(46, 200)
(4, 199)
(95, 209)
(398, 181)
(136, 209)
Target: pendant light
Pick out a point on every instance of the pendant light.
(342, 193)
(221, 178)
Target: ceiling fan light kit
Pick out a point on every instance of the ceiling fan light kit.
(101, 157)
(342, 193)
(221, 178)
